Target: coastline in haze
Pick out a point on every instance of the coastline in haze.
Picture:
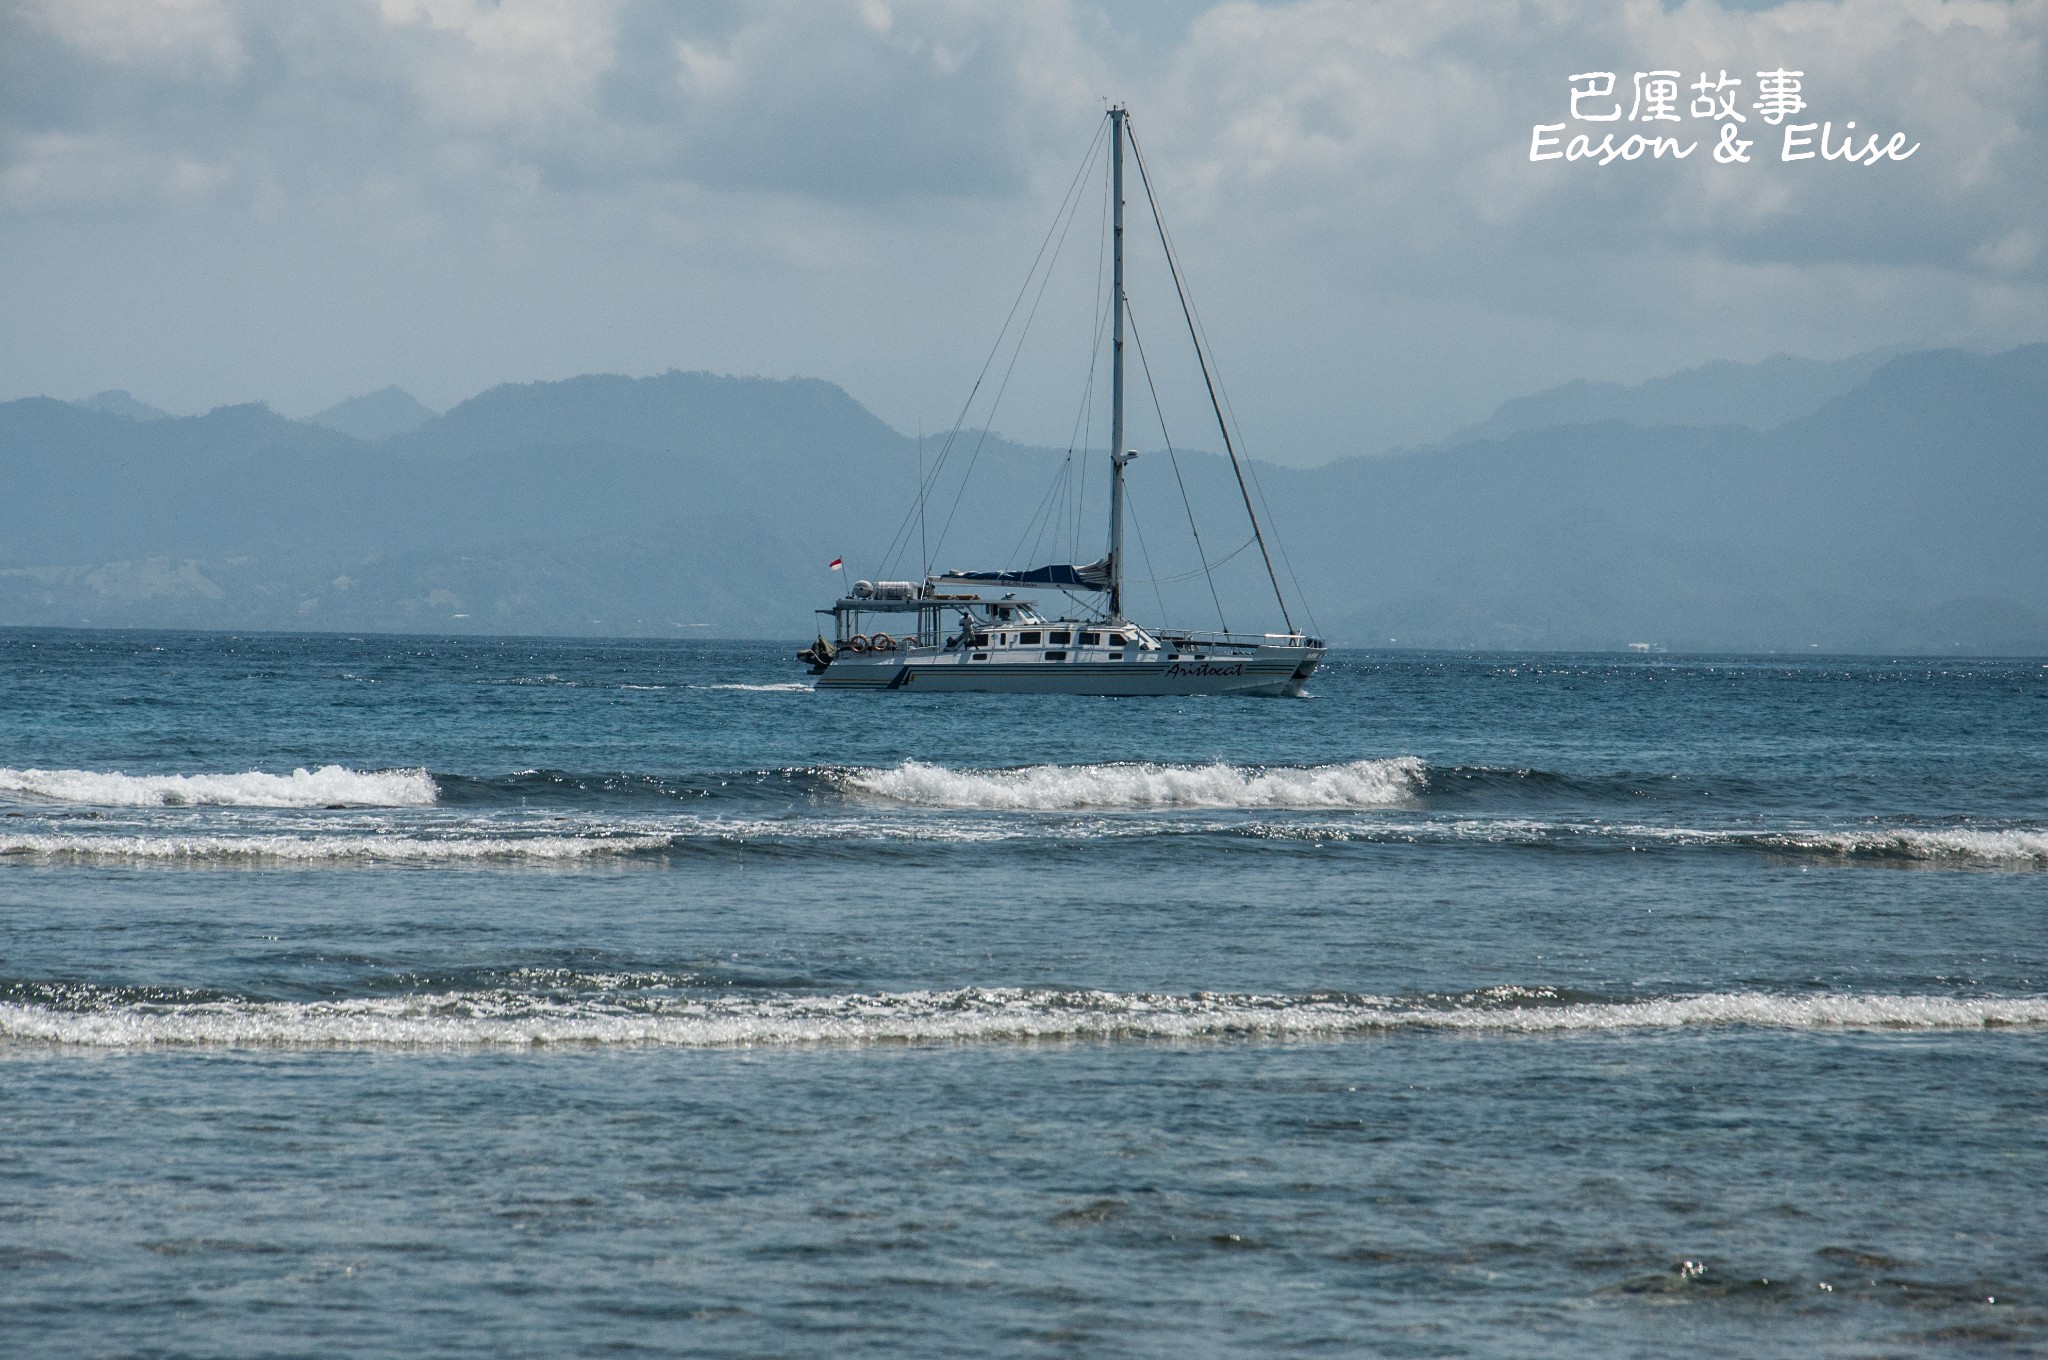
(1878, 505)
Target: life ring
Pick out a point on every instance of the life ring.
(857, 643)
(881, 642)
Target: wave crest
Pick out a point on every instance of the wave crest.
(1071, 788)
(336, 850)
(502, 1019)
(2013, 846)
(328, 786)
(317, 841)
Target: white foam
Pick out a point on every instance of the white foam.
(512, 1019)
(1066, 788)
(785, 687)
(328, 786)
(445, 835)
(2010, 846)
(1956, 846)
(329, 849)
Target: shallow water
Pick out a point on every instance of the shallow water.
(529, 997)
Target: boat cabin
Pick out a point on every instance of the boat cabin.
(944, 617)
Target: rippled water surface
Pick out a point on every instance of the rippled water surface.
(530, 998)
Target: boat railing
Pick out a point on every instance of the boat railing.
(1201, 638)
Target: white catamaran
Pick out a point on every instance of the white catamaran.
(972, 631)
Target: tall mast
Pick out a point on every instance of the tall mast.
(1117, 454)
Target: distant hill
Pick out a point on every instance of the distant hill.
(597, 505)
(382, 414)
(1907, 513)
(692, 414)
(115, 402)
(1761, 395)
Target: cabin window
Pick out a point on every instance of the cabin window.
(1060, 639)
(1116, 639)
(981, 639)
(979, 656)
(1055, 656)
(1091, 639)
(1028, 639)
(1116, 656)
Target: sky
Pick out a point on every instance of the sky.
(207, 201)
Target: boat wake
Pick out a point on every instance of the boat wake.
(781, 687)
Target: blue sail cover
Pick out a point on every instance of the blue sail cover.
(1068, 576)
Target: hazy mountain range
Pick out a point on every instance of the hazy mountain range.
(382, 414)
(1762, 396)
(1892, 503)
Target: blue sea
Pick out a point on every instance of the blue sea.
(379, 995)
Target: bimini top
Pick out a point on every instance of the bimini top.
(1085, 576)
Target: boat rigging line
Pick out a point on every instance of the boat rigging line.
(1180, 576)
(1067, 490)
(1055, 237)
(1208, 380)
(1173, 459)
(1009, 369)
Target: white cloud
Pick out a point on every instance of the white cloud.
(477, 65)
(479, 191)
(195, 35)
(66, 173)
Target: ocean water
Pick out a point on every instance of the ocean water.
(381, 995)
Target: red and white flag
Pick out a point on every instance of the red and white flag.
(837, 563)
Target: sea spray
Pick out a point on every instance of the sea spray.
(1061, 788)
(500, 1018)
(328, 786)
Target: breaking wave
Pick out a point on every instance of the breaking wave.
(911, 833)
(2014, 847)
(329, 849)
(1074, 788)
(1957, 844)
(499, 1019)
(328, 786)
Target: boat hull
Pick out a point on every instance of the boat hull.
(1272, 671)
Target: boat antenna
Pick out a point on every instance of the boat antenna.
(1118, 455)
(1202, 358)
